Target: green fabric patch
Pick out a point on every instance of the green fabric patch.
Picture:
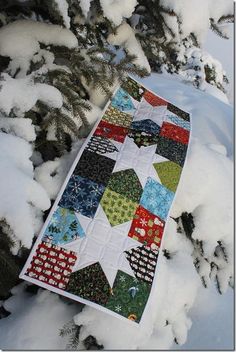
(127, 184)
(117, 117)
(169, 174)
(90, 283)
(117, 208)
(133, 88)
(128, 296)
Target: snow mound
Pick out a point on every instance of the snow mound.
(125, 36)
(21, 38)
(21, 94)
(118, 9)
(23, 196)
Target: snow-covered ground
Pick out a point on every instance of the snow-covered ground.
(211, 150)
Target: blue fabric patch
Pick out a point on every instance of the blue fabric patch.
(156, 198)
(64, 227)
(178, 121)
(82, 195)
(123, 102)
(146, 125)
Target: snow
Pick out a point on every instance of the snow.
(85, 6)
(18, 126)
(21, 94)
(208, 307)
(20, 39)
(23, 197)
(43, 316)
(115, 10)
(178, 283)
(63, 9)
(194, 15)
(125, 36)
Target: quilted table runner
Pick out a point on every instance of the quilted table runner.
(101, 241)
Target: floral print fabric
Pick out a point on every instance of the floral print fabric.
(101, 242)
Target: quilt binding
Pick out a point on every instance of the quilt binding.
(38, 240)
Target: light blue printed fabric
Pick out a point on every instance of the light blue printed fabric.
(156, 198)
(123, 102)
(178, 121)
(64, 227)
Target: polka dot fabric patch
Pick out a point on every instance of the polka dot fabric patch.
(102, 239)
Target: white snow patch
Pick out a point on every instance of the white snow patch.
(21, 94)
(20, 127)
(125, 37)
(63, 8)
(116, 10)
(20, 192)
(36, 320)
(20, 39)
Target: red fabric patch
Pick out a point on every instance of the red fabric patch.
(108, 130)
(174, 132)
(154, 100)
(52, 265)
(147, 228)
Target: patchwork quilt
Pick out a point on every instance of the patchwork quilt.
(101, 241)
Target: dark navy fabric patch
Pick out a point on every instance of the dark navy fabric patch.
(146, 125)
(172, 150)
(82, 195)
(95, 167)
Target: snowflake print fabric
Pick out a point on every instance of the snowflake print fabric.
(103, 236)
